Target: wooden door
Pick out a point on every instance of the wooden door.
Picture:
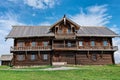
(56, 58)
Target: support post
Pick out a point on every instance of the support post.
(25, 55)
(75, 59)
(39, 54)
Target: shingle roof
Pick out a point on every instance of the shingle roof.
(39, 31)
(6, 57)
(95, 31)
(29, 31)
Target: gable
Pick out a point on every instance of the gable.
(65, 22)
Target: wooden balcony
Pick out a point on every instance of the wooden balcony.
(98, 48)
(37, 48)
(64, 47)
(65, 35)
(83, 48)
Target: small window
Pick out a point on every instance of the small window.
(80, 43)
(105, 43)
(45, 44)
(45, 57)
(69, 30)
(32, 57)
(33, 44)
(59, 31)
(94, 57)
(69, 44)
(92, 43)
(20, 44)
(20, 57)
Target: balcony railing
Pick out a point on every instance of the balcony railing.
(65, 35)
(37, 48)
(64, 47)
(90, 48)
(104, 48)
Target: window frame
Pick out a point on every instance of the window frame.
(94, 57)
(32, 58)
(20, 44)
(69, 44)
(45, 57)
(20, 57)
(80, 43)
(105, 43)
(45, 45)
(92, 43)
(33, 43)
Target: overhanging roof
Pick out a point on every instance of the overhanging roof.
(6, 57)
(29, 31)
(95, 31)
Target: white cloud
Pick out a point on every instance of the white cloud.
(45, 24)
(6, 21)
(116, 42)
(41, 4)
(94, 16)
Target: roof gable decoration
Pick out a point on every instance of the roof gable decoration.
(65, 20)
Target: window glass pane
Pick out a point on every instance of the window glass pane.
(45, 56)
(20, 44)
(59, 31)
(45, 44)
(20, 57)
(94, 57)
(33, 43)
(69, 30)
(80, 43)
(69, 44)
(105, 43)
(33, 57)
(92, 43)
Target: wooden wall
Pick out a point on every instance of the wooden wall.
(27, 62)
(83, 58)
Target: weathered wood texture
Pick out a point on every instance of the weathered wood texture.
(27, 61)
(75, 58)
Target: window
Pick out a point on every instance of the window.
(33, 44)
(80, 43)
(20, 57)
(92, 43)
(105, 43)
(69, 29)
(20, 44)
(32, 57)
(69, 44)
(94, 57)
(45, 57)
(59, 31)
(45, 44)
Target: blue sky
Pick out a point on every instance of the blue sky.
(47, 12)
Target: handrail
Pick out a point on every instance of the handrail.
(64, 46)
(16, 48)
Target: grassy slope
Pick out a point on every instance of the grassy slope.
(84, 73)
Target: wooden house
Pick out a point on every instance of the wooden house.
(64, 41)
(6, 59)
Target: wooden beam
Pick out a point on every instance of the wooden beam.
(39, 54)
(25, 55)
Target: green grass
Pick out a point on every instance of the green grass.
(106, 72)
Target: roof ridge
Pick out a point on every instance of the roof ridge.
(93, 26)
(28, 26)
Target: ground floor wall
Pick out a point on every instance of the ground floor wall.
(8, 63)
(71, 57)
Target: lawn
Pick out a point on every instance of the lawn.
(106, 72)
